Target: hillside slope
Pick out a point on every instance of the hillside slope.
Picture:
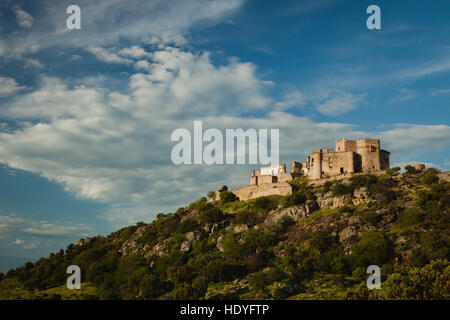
(313, 244)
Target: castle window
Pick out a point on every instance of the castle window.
(342, 170)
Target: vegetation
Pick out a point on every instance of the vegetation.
(265, 249)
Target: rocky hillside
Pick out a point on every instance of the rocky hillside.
(313, 244)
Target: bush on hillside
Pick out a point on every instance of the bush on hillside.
(373, 248)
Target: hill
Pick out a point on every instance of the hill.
(313, 244)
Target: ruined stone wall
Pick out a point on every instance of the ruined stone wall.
(285, 177)
(296, 168)
(384, 159)
(273, 170)
(251, 192)
(266, 179)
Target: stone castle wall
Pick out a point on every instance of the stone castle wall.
(349, 157)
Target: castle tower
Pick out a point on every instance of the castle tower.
(315, 166)
(369, 149)
(345, 145)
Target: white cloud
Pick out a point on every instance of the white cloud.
(24, 19)
(25, 244)
(107, 55)
(337, 102)
(18, 241)
(410, 138)
(9, 86)
(109, 145)
(135, 52)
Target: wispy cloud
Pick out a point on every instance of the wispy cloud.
(404, 95)
(24, 19)
(440, 91)
(337, 102)
(14, 226)
(425, 69)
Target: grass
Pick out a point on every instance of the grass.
(232, 207)
(13, 291)
(317, 214)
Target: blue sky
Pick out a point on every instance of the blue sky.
(86, 115)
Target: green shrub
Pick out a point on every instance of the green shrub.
(320, 240)
(199, 204)
(359, 274)
(211, 195)
(211, 215)
(284, 224)
(373, 248)
(247, 217)
(299, 184)
(257, 240)
(428, 282)
(411, 216)
(228, 196)
(365, 180)
(430, 177)
(294, 199)
(231, 247)
(199, 287)
(187, 226)
(371, 218)
(393, 171)
(327, 186)
(410, 169)
(180, 274)
(418, 258)
(381, 193)
(264, 204)
(258, 281)
(220, 271)
(340, 189)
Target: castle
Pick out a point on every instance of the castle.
(348, 157)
